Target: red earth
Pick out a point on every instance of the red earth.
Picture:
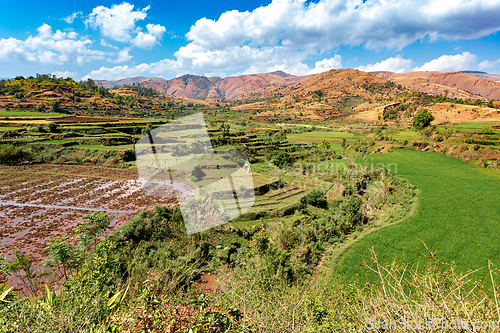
(40, 201)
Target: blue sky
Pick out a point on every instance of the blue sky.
(113, 40)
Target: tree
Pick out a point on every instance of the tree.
(352, 212)
(117, 99)
(281, 134)
(325, 144)
(88, 85)
(102, 91)
(314, 198)
(222, 139)
(422, 119)
(53, 127)
(198, 173)
(319, 93)
(280, 158)
(147, 130)
(344, 143)
(55, 104)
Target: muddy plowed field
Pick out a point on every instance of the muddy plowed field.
(38, 201)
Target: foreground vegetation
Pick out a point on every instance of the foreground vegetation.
(145, 277)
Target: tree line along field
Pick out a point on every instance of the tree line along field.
(325, 195)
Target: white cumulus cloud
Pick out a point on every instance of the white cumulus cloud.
(393, 64)
(287, 34)
(151, 38)
(70, 18)
(123, 56)
(326, 64)
(331, 23)
(106, 44)
(49, 47)
(489, 64)
(119, 24)
(64, 74)
(450, 63)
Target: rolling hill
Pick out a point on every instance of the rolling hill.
(45, 94)
(490, 77)
(320, 97)
(336, 84)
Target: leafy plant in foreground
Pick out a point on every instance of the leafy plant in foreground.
(91, 227)
(62, 254)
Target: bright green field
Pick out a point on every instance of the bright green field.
(317, 136)
(56, 141)
(466, 127)
(471, 125)
(122, 147)
(21, 114)
(85, 146)
(458, 214)
(404, 135)
(8, 128)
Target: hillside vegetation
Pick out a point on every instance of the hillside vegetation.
(50, 94)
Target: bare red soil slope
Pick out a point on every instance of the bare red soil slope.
(454, 84)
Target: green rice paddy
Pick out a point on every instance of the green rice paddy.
(458, 214)
(22, 114)
(317, 136)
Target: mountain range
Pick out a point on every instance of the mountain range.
(471, 85)
(202, 87)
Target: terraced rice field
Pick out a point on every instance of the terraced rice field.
(332, 137)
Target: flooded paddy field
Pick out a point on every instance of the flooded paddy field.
(40, 201)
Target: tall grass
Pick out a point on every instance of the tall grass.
(409, 298)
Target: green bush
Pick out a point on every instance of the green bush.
(53, 128)
(422, 119)
(164, 223)
(55, 105)
(314, 198)
(40, 128)
(352, 214)
(280, 158)
(10, 135)
(9, 153)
